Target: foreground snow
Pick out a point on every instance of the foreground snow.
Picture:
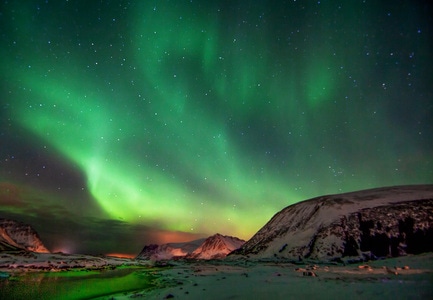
(409, 277)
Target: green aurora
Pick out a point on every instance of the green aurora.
(204, 117)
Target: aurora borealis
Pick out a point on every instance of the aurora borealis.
(142, 121)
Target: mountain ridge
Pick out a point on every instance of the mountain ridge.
(216, 246)
(16, 235)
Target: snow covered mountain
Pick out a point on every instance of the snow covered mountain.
(169, 251)
(216, 246)
(380, 222)
(19, 236)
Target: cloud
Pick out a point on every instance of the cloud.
(10, 195)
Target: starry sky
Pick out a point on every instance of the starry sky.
(124, 123)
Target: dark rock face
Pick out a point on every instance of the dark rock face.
(148, 251)
(395, 230)
(367, 224)
(403, 228)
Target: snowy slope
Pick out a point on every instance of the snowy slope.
(377, 222)
(217, 246)
(18, 236)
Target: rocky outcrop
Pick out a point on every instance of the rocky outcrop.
(360, 225)
(19, 236)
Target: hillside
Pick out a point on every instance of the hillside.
(366, 224)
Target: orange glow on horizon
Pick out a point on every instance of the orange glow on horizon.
(121, 255)
(164, 237)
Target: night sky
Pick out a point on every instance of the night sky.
(124, 123)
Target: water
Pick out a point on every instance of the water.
(74, 284)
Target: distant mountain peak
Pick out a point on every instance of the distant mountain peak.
(16, 235)
(215, 246)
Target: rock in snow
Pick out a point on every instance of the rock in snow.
(216, 246)
(19, 236)
(380, 222)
